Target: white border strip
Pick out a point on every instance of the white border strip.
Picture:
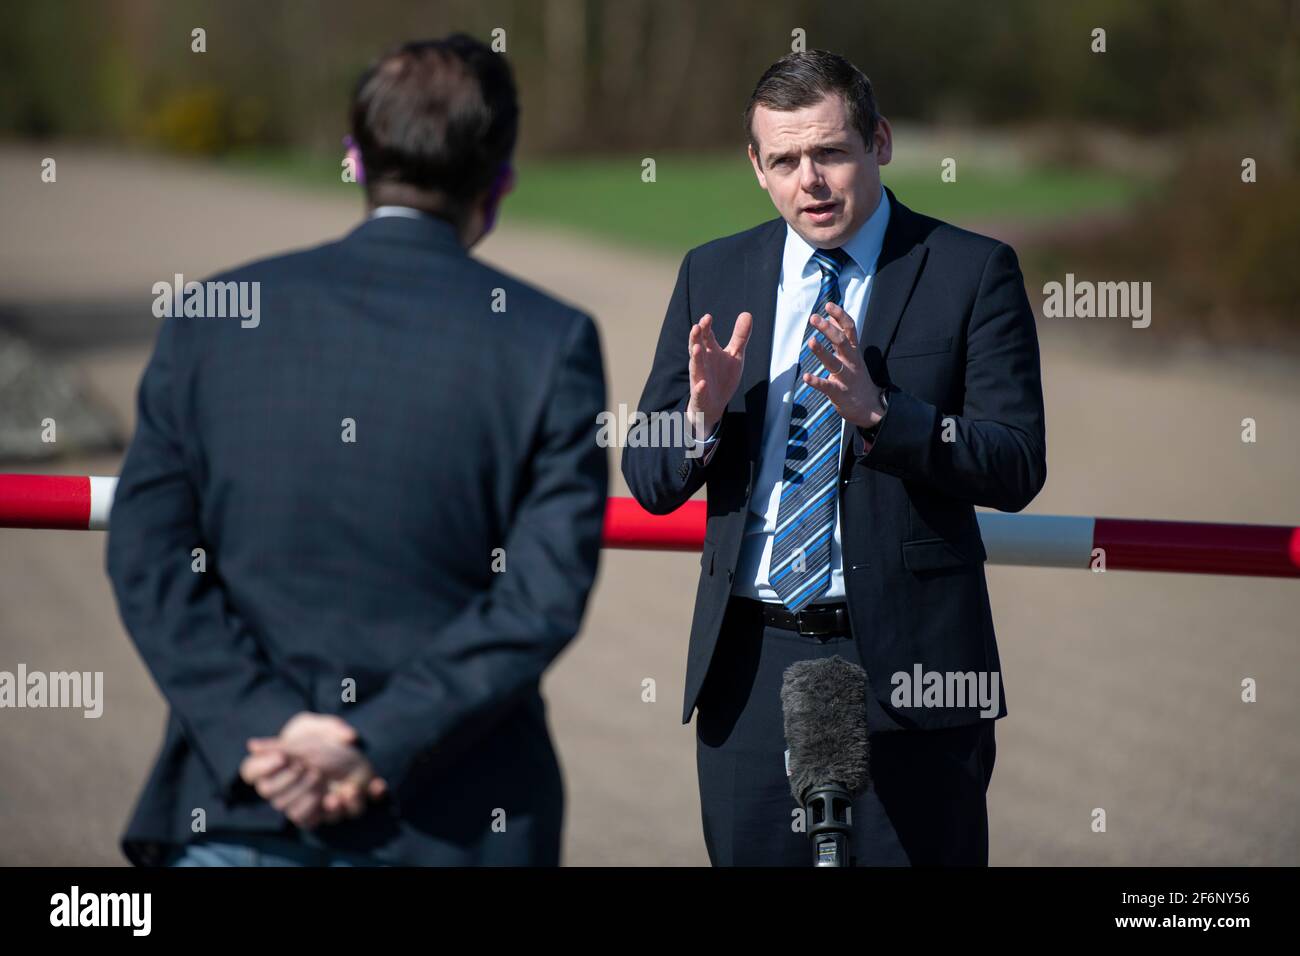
(1052, 541)
(102, 490)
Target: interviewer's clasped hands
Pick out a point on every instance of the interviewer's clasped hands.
(313, 771)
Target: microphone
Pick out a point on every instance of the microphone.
(824, 703)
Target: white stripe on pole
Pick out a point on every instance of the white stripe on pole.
(1054, 541)
(101, 501)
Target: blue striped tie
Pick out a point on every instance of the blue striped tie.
(800, 569)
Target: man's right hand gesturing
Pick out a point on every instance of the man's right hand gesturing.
(714, 372)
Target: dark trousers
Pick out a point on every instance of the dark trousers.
(926, 802)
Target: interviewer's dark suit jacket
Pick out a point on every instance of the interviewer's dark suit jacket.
(370, 561)
(950, 330)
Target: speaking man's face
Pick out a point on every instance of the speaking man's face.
(823, 179)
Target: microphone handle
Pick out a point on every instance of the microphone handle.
(828, 809)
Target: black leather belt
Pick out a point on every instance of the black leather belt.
(814, 620)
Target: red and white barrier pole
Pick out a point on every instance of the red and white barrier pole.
(1055, 541)
(64, 502)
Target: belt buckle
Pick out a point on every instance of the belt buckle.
(810, 630)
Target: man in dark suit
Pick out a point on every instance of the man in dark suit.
(350, 536)
(880, 380)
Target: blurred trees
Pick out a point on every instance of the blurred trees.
(1205, 83)
(636, 74)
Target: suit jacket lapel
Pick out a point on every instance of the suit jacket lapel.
(762, 272)
(896, 271)
(901, 256)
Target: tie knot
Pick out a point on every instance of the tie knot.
(831, 260)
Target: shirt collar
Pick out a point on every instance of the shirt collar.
(408, 212)
(863, 246)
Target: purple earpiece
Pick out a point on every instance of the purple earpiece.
(502, 183)
(354, 154)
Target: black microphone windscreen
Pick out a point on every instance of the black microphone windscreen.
(825, 707)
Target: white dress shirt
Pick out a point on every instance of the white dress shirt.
(796, 294)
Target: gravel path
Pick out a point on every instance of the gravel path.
(1123, 688)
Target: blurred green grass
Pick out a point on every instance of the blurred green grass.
(698, 197)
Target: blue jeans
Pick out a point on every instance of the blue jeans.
(260, 849)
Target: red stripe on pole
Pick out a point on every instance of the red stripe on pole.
(45, 501)
(1196, 548)
(628, 525)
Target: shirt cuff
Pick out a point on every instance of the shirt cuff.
(708, 444)
(866, 437)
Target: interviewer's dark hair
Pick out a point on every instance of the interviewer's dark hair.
(803, 79)
(438, 115)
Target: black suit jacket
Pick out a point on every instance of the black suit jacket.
(949, 330)
(333, 564)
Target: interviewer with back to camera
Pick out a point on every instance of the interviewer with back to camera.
(438, 562)
(843, 459)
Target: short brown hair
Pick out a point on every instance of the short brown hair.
(803, 79)
(438, 115)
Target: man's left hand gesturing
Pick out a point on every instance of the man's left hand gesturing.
(850, 388)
